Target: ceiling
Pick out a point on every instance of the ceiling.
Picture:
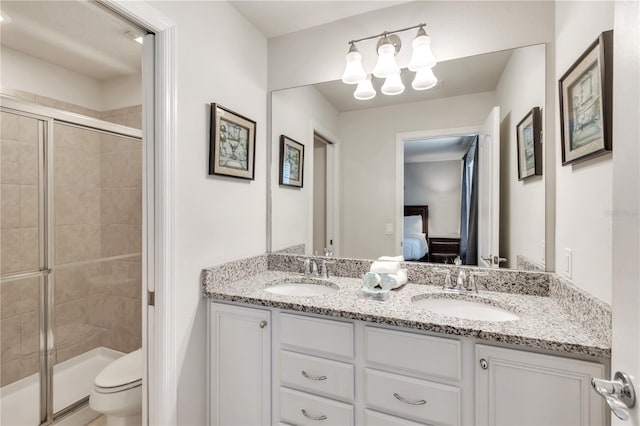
(76, 35)
(437, 149)
(276, 18)
(473, 74)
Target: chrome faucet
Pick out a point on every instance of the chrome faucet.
(315, 270)
(462, 283)
(311, 267)
(448, 283)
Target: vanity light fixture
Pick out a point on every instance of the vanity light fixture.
(353, 72)
(393, 84)
(387, 50)
(389, 44)
(365, 90)
(424, 79)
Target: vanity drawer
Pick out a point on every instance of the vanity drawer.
(413, 398)
(373, 418)
(301, 408)
(318, 375)
(317, 335)
(413, 353)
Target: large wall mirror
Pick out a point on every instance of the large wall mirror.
(419, 174)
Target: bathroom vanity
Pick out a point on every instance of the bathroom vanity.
(341, 359)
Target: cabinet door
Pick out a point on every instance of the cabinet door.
(240, 365)
(523, 388)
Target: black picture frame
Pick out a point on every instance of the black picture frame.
(232, 144)
(529, 145)
(291, 162)
(586, 91)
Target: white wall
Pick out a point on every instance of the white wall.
(457, 29)
(367, 165)
(583, 197)
(24, 72)
(220, 58)
(295, 112)
(522, 203)
(27, 73)
(437, 184)
(121, 92)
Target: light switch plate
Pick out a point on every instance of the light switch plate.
(568, 262)
(388, 228)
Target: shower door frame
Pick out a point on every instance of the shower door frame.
(45, 126)
(51, 116)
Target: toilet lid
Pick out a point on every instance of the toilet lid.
(123, 371)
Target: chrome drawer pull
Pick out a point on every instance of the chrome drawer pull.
(406, 401)
(306, 375)
(321, 417)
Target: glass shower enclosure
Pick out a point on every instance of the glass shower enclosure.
(70, 256)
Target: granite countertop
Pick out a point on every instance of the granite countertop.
(543, 322)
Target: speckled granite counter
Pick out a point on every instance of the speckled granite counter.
(544, 322)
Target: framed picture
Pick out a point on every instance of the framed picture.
(291, 162)
(529, 145)
(585, 102)
(232, 143)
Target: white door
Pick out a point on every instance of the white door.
(489, 192)
(626, 199)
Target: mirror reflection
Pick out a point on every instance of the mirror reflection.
(431, 175)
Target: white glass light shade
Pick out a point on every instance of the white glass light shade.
(353, 71)
(365, 90)
(386, 64)
(393, 85)
(424, 79)
(422, 56)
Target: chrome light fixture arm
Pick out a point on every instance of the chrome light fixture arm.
(388, 33)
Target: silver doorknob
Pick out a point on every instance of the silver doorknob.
(263, 324)
(618, 393)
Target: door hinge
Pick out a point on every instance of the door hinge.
(151, 298)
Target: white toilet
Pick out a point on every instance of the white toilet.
(117, 391)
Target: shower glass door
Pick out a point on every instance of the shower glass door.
(23, 269)
(96, 256)
(70, 259)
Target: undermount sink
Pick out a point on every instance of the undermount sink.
(466, 308)
(301, 287)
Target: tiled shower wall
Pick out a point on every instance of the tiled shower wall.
(19, 303)
(98, 215)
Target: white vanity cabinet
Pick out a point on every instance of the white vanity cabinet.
(239, 370)
(275, 367)
(314, 379)
(515, 387)
(412, 376)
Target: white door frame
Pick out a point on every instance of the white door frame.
(332, 188)
(401, 138)
(160, 400)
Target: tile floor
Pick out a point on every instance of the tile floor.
(100, 421)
